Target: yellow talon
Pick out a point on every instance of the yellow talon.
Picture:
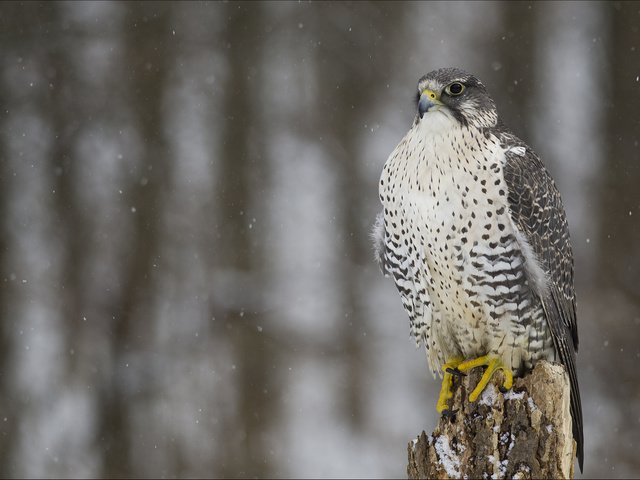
(447, 383)
(493, 363)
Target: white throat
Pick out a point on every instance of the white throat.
(439, 122)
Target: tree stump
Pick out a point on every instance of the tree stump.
(524, 433)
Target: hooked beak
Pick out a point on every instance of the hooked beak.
(428, 100)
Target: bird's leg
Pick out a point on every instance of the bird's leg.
(493, 363)
(450, 369)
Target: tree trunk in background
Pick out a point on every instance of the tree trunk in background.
(525, 433)
(7, 428)
(620, 205)
(516, 72)
(618, 212)
(341, 83)
(67, 117)
(147, 54)
(238, 251)
(20, 40)
(347, 96)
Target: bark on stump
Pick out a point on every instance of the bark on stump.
(524, 433)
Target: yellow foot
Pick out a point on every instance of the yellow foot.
(447, 383)
(493, 363)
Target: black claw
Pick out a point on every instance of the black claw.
(449, 413)
(502, 389)
(455, 372)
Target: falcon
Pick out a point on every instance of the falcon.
(475, 236)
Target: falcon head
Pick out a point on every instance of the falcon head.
(456, 94)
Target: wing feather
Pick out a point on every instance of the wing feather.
(537, 211)
(379, 243)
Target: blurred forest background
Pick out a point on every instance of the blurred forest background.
(187, 285)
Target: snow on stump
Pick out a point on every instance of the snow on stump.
(524, 433)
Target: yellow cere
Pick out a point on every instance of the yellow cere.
(430, 93)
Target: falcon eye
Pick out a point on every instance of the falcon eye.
(456, 88)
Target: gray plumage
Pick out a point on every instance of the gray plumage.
(474, 234)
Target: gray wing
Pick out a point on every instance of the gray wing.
(537, 211)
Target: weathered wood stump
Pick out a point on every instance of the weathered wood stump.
(524, 433)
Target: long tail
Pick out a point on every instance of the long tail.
(566, 349)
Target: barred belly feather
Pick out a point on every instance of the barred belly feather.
(453, 251)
